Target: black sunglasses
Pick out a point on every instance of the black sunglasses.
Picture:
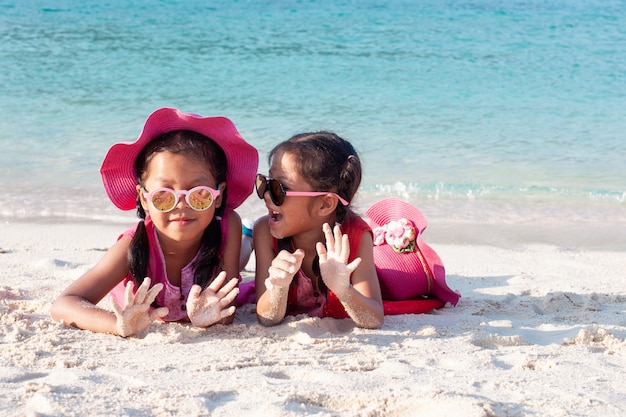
(278, 193)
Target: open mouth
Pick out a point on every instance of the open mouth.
(275, 216)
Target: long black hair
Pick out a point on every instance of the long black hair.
(197, 147)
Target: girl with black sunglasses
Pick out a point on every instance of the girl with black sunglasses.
(313, 253)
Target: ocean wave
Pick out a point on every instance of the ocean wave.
(471, 191)
(453, 202)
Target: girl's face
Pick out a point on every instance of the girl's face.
(179, 172)
(296, 214)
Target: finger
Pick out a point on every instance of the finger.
(228, 287)
(289, 265)
(296, 253)
(337, 233)
(227, 312)
(269, 283)
(116, 307)
(159, 313)
(321, 251)
(153, 292)
(218, 281)
(299, 255)
(341, 245)
(194, 292)
(294, 260)
(287, 258)
(140, 295)
(229, 298)
(352, 266)
(330, 240)
(128, 294)
(345, 248)
(278, 273)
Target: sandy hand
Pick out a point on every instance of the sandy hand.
(212, 305)
(284, 266)
(334, 257)
(136, 315)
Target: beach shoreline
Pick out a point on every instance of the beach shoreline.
(569, 231)
(540, 330)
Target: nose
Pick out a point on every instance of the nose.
(181, 198)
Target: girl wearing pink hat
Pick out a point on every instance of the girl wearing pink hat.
(184, 175)
(312, 179)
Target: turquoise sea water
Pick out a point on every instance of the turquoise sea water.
(473, 110)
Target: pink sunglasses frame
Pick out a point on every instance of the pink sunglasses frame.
(177, 193)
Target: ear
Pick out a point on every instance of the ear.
(328, 204)
(144, 202)
(218, 200)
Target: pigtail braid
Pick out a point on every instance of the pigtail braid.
(139, 249)
(208, 260)
(348, 184)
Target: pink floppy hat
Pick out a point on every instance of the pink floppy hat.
(118, 167)
(407, 268)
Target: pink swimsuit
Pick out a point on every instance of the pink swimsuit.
(308, 300)
(302, 296)
(172, 296)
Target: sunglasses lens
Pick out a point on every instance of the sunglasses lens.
(260, 185)
(264, 184)
(276, 192)
(200, 199)
(163, 200)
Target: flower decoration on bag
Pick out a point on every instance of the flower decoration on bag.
(399, 234)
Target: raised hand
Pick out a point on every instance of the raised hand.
(334, 257)
(284, 266)
(136, 316)
(208, 307)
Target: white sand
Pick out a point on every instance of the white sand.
(540, 330)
